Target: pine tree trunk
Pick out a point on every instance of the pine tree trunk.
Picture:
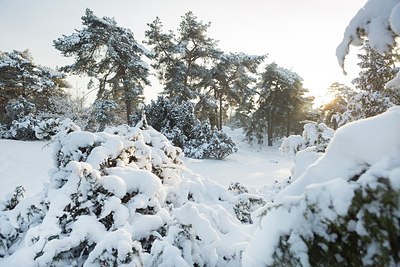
(270, 128)
(128, 104)
(288, 123)
(220, 112)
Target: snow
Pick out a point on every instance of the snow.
(24, 163)
(343, 157)
(369, 148)
(379, 21)
(197, 212)
(254, 167)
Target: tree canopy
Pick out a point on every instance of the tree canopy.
(110, 54)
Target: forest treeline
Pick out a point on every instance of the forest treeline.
(204, 87)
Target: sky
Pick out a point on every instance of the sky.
(301, 35)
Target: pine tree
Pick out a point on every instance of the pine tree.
(281, 100)
(110, 54)
(373, 98)
(20, 76)
(333, 109)
(181, 59)
(233, 78)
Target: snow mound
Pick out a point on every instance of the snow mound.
(122, 198)
(347, 203)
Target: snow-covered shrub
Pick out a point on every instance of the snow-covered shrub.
(306, 149)
(207, 142)
(220, 145)
(244, 202)
(122, 198)
(344, 209)
(47, 128)
(23, 128)
(179, 124)
(292, 144)
(269, 192)
(365, 105)
(4, 133)
(316, 135)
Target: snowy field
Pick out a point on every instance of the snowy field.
(27, 164)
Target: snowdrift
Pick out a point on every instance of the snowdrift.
(344, 209)
(123, 198)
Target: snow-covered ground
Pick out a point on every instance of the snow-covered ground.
(24, 163)
(253, 165)
(27, 164)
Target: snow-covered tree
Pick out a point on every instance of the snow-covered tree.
(281, 98)
(182, 59)
(376, 69)
(233, 80)
(338, 105)
(372, 97)
(379, 22)
(103, 112)
(111, 55)
(364, 105)
(20, 76)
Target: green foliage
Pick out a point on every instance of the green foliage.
(372, 97)
(110, 54)
(232, 79)
(20, 76)
(181, 59)
(367, 235)
(179, 124)
(191, 67)
(281, 105)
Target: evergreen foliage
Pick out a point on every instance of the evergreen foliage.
(192, 68)
(233, 80)
(366, 235)
(179, 124)
(338, 105)
(181, 59)
(281, 104)
(372, 97)
(20, 76)
(110, 54)
(119, 198)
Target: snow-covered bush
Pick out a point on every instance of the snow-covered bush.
(244, 202)
(365, 105)
(47, 128)
(32, 128)
(179, 124)
(315, 135)
(104, 112)
(23, 128)
(307, 148)
(207, 142)
(344, 209)
(122, 198)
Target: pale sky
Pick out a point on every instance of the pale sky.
(301, 35)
